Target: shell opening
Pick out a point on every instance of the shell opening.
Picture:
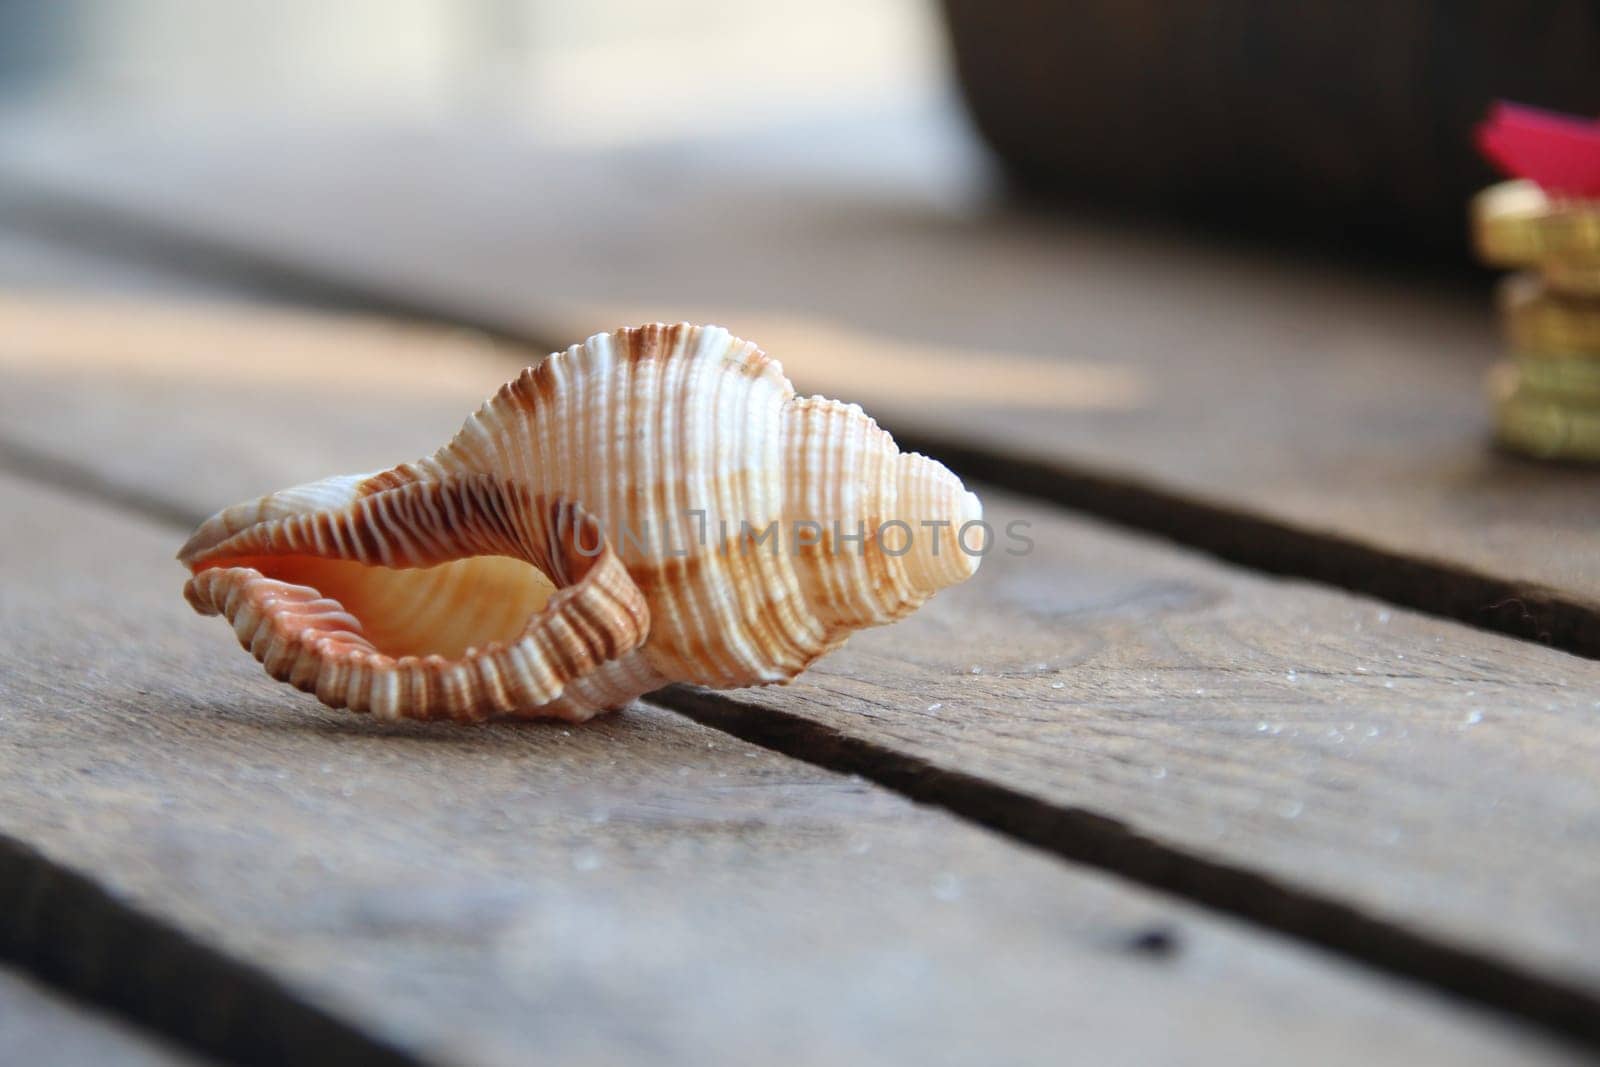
(456, 597)
(443, 610)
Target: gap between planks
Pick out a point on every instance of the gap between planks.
(1518, 609)
(41, 1024)
(1107, 844)
(1077, 835)
(66, 930)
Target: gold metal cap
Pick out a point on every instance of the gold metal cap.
(1541, 320)
(1516, 224)
(1542, 425)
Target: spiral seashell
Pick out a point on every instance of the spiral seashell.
(655, 505)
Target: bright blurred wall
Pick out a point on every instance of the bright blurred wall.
(582, 72)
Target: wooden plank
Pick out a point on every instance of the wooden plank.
(640, 888)
(1411, 790)
(1305, 418)
(39, 1026)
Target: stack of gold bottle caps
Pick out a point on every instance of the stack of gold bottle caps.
(1547, 395)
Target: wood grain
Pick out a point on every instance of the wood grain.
(1432, 781)
(39, 1026)
(642, 888)
(1310, 419)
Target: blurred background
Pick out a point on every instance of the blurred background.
(608, 73)
(612, 114)
(1107, 207)
(1344, 123)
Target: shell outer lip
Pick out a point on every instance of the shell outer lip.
(594, 621)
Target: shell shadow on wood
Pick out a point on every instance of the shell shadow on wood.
(655, 505)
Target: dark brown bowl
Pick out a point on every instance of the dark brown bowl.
(1346, 122)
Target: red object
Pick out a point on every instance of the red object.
(1560, 152)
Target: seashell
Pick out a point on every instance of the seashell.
(654, 505)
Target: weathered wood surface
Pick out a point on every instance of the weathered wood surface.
(1433, 780)
(639, 889)
(41, 1028)
(1309, 419)
(1435, 777)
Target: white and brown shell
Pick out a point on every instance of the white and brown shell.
(654, 505)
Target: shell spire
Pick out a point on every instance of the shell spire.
(654, 505)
